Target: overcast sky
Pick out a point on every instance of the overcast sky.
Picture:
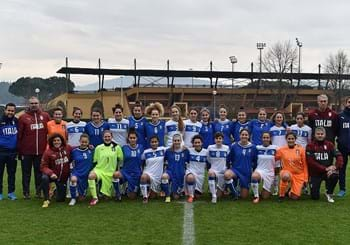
(36, 36)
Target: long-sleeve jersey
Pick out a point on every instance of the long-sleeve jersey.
(119, 130)
(344, 131)
(132, 162)
(304, 134)
(242, 157)
(191, 129)
(257, 128)
(155, 129)
(140, 127)
(237, 127)
(327, 119)
(74, 131)
(217, 157)
(207, 133)
(320, 155)
(95, 132)
(293, 160)
(225, 127)
(108, 158)
(8, 134)
(82, 161)
(266, 157)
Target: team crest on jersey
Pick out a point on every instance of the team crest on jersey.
(325, 147)
(329, 114)
(244, 152)
(297, 152)
(41, 117)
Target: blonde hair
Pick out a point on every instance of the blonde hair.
(155, 106)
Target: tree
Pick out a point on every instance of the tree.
(280, 58)
(338, 63)
(49, 88)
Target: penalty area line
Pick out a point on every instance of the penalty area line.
(188, 235)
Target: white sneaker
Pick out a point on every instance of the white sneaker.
(275, 192)
(329, 198)
(213, 199)
(72, 202)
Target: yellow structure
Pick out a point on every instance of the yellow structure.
(88, 100)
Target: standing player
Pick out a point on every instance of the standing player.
(8, 144)
(240, 124)
(175, 158)
(82, 158)
(344, 144)
(130, 170)
(75, 128)
(192, 127)
(242, 158)
(207, 129)
(265, 170)
(294, 168)
(301, 130)
(107, 157)
(324, 117)
(320, 155)
(32, 139)
(155, 126)
(96, 127)
(138, 121)
(119, 126)
(278, 138)
(195, 170)
(55, 168)
(57, 125)
(153, 169)
(224, 126)
(217, 156)
(174, 126)
(258, 126)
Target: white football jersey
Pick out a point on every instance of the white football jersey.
(217, 157)
(278, 135)
(191, 129)
(119, 130)
(154, 162)
(74, 130)
(303, 134)
(266, 157)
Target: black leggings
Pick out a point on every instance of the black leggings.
(315, 184)
(60, 188)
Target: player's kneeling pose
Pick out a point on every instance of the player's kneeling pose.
(265, 170)
(55, 168)
(153, 169)
(175, 159)
(107, 157)
(242, 158)
(81, 165)
(217, 155)
(294, 169)
(130, 170)
(195, 169)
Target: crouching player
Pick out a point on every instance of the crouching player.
(107, 157)
(55, 168)
(175, 163)
(217, 155)
(320, 155)
(265, 170)
(242, 158)
(130, 171)
(294, 168)
(195, 169)
(153, 169)
(81, 165)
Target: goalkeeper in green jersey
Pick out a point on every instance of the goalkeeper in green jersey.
(107, 158)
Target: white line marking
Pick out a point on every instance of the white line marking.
(188, 236)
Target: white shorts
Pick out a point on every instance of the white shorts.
(267, 177)
(199, 180)
(155, 181)
(220, 181)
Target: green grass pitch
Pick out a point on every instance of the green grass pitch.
(131, 222)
